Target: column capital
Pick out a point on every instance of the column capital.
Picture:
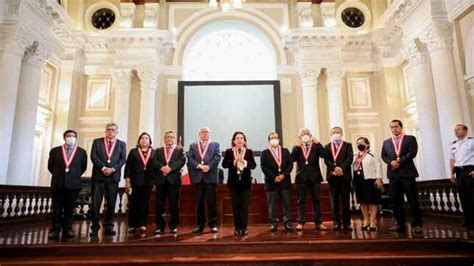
(308, 76)
(437, 36)
(148, 79)
(412, 52)
(122, 77)
(36, 54)
(334, 77)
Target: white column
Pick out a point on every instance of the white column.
(21, 152)
(11, 55)
(310, 101)
(148, 87)
(122, 86)
(334, 82)
(419, 77)
(440, 47)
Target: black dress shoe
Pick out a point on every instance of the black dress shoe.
(348, 228)
(174, 230)
(198, 229)
(94, 233)
(110, 232)
(237, 233)
(68, 233)
(158, 232)
(364, 227)
(214, 229)
(244, 232)
(398, 229)
(289, 228)
(53, 235)
(273, 228)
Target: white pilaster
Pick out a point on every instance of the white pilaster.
(148, 87)
(439, 42)
(308, 79)
(122, 86)
(11, 55)
(23, 140)
(419, 77)
(334, 79)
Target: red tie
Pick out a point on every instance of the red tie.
(109, 144)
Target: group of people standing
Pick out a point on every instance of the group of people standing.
(161, 168)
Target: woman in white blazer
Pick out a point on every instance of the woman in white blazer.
(368, 182)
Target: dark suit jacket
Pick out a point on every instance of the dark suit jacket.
(134, 169)
(176, 163)
(408, 152)
(344, 160)
(233, 181)
(310, 171)
(56, 166)
(99, 160)
(212, 159)
(270, 169)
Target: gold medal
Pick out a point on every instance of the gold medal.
(202, 162)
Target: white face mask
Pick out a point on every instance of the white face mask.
(336, 137)
(70, 141)
(306, 138)
(274, 142)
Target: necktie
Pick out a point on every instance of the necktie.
(275, 151)
(68, 151)
(109, 144)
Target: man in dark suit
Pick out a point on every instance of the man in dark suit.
(398, 153)
(339, 175)
(276, 165)
(168, 161)
(108, 155)
(66, 163)
(204, 157)
(306, 153)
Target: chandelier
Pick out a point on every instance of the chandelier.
(226, 5)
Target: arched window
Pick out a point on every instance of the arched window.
(229, 50)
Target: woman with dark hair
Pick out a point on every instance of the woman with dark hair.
(368, 182)
(138, 176)
(240, 161)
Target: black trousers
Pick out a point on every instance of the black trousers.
(206, 192)
(172, 193)
(465, 184)
(63, 206)
(99, 190)
(272, 199)
(339, 192)
(240, 207)
(314, 190)
(138, 206)
(398, 188)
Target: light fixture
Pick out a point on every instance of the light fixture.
(226, 5)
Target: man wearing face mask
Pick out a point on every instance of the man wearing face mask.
(66, 163)
(338, 162)
(276, 165)
(306, 153)
(398, 153)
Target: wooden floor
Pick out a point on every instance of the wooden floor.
(443, 242)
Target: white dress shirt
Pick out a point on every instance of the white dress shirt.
(462, 152)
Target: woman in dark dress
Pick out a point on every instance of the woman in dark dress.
(138, 174)
(240, 161)
(368, 182)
